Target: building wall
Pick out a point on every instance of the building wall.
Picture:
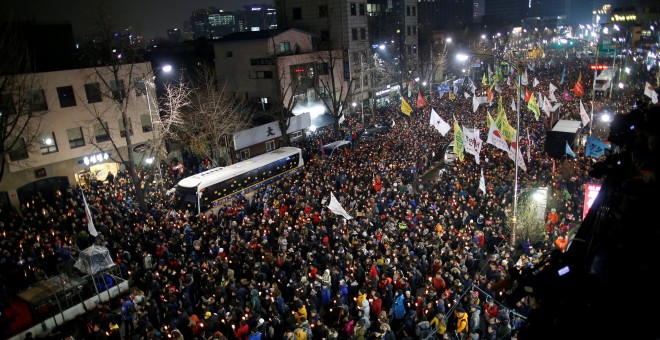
(67, 161)
(235, 71)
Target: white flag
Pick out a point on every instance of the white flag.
(513, 105)
(523, 80)
(476, 101)
(336, 208)
(512, 154)
(553, 88)
(649, 92)
(583, 114)
(472, 142)
(554, 108)
(495, 138)
(536, 82)
(393, 123)
(482, 182)
(467, 95)
(552, 97)
(90, 223)
(438, 123)
(341, 119)
(547, 106)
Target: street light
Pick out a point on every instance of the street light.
(155, 120)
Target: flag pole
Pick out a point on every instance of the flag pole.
(515, 187)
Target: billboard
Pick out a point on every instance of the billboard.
(590, 193)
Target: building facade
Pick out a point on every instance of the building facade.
(266, 67)
(71, 146)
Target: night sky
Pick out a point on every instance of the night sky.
(151, 18)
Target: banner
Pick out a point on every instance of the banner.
(591, 191)
(472, 143)
(438, 123)
(336, 208)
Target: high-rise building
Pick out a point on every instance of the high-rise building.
(212, 23)
(259, 17)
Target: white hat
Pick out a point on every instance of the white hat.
(261, 322)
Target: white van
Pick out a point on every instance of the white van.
(449, 156)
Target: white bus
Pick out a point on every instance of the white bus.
(206, 190)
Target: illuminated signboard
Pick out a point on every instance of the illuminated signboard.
(598, 67)
(590, 193)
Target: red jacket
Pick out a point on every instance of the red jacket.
(242, 332)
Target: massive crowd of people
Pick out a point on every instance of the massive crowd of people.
(419, 259)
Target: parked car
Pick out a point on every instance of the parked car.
(330, 148)
(374, 131)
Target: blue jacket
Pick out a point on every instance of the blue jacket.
(125, 310)
(399, 308)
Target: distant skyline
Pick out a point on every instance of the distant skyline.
(151, 18)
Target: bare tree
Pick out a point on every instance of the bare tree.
(212, 115)
(21, 103)
(330, 85)
(115, 66)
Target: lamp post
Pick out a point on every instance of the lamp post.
(155, 119)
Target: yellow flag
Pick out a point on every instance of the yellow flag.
(452, 96)
(500, 119)
(458, 141)
(534, 107)
(405, 107)
(489, 119)
(508, 132)
(484, 80)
